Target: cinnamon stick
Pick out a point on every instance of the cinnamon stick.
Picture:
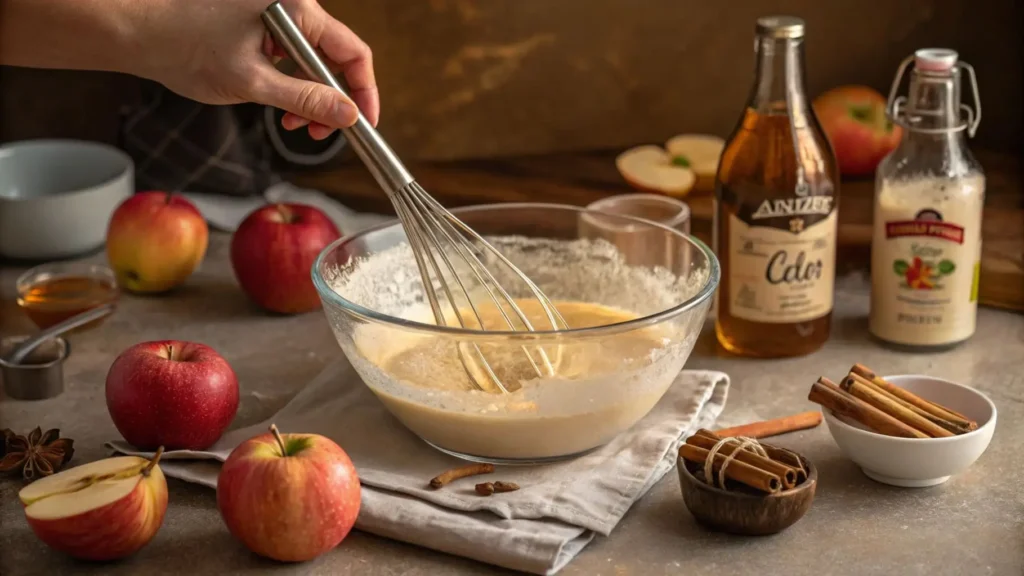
(825, 393)
(461, 472)
(951, 426)
(911, 398)
(741, 472)
(908, 414)
(892, 406)
(784, 472)
(789, 458)
(781, 455)
(774, 427)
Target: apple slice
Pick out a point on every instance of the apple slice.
(651, 169)
(700, 152)
(102, 510)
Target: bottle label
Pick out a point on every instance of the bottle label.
(924, 269)
(782, 259)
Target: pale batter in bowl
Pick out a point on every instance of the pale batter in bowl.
(435, 363)
(491, 424)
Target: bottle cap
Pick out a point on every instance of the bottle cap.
(780, 27)
(935, 59)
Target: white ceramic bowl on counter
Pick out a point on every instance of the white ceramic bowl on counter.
(57, 196)
(917, 462)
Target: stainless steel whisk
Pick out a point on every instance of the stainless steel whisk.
(438, 239)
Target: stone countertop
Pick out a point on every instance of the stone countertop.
(972, 524)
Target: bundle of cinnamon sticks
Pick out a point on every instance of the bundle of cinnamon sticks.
(780, 470)
(869, 399)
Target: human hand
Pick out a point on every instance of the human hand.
(220, 53)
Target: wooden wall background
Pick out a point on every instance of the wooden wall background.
(482, 78)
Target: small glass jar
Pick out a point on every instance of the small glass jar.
(52, 293)
(640, 245)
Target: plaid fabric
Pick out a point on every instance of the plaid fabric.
(181, 145)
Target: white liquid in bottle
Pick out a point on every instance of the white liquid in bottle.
(929, 196)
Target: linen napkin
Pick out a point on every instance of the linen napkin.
(538, 529)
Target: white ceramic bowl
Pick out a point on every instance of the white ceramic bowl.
(917, 462)
(57, 196)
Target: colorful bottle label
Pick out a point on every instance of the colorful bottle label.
(926, 254)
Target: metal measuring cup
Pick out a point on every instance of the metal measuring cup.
(40, 375)
(33, 366)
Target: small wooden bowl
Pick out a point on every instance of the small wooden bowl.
(742, 513)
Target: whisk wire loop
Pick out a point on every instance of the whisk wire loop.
(554, 317)
(415, 229)
(484, 277)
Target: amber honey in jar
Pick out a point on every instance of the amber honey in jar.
(52, 293)
(776, 197)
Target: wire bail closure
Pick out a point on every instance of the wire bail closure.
(894, 104)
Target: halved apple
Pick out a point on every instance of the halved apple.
(102, 510)
(651, 169)
(701, 152)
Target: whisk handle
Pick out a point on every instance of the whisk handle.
(382, 162)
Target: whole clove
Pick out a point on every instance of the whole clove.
(505, 487)
(488, 488)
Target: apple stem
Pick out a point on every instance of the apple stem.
(280, 440)
(170, 196)
(152, 463)
(287, 217)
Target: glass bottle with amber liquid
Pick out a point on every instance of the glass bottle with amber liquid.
(776, 202)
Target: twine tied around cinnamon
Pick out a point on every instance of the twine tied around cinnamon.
(743, 443)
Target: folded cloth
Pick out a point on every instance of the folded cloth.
(537, 529)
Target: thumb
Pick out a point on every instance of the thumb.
(314, 101)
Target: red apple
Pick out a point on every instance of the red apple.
(180, 395)
(273, 251)
(288, 497)
(855, 122)
(103, 510)
(155, 241)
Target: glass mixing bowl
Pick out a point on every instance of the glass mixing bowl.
(645, 288)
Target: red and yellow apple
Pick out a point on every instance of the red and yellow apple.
(155, 241)
(856, 124)
(103, 510)
(273, 251)
(180, 395)
(289, 497)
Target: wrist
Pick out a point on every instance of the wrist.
(130, 29)
(78, 35)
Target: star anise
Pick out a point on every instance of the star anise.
(36, 454)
